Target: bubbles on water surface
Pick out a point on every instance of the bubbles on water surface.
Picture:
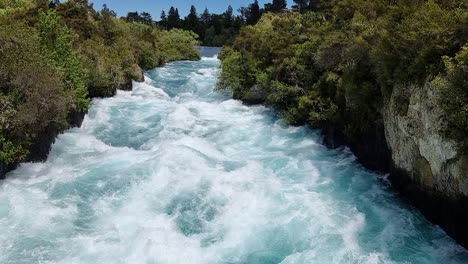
(172, 172)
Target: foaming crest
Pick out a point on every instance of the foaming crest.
(171, 172)
(213, 58)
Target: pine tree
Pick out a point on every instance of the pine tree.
(206, 17)
(301, 5)
(304, 5)
(191, 21)
(276, 6)
(228, 16)
(314, 5)
(53, 3)
(173, 18)
(146, 18)
(177, 18)
(133, 17)
(163, 21)
(107, 18)
(254, 13)
(106, 11)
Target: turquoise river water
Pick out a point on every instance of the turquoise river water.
(173, 172)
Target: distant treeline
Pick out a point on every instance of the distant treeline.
(218, 29)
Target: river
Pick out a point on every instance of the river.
(173, 172)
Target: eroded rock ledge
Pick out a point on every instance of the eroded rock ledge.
(408, 141)
(427, 167)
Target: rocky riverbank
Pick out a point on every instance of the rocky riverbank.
(374, 77)
(427, 167)
(409, 142)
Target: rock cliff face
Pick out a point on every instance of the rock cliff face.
(427, 167)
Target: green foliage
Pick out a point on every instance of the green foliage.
(453, 85)
(234, 75)
(276, 6)
(7, 6)
(411, 49)
(320, 110)
(119, 51)
(79, 16)
(55, 58)
(212, 29)
(337, 65)
(283, 95)
(56, 38)
(10, 153)
(32, 94)
(177, 44)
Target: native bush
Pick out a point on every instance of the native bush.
(56, 57)
(453, 85)
(338, 65)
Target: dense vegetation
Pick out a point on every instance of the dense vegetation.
(56, 56)
(211, 29)
(214, 29)
(336, 62)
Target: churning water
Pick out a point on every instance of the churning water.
(172, 172)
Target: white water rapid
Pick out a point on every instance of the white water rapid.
(173, 172)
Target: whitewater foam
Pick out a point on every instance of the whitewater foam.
(171, 172)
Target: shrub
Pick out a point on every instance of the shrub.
(54, 58)
(453, 85)
(57, 39)
(338, 65)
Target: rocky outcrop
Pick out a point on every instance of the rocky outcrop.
(134, 74)
(408, 140)
(427, 166)
(3, 170)
(121, 82)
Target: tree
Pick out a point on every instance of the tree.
(191, 21)
(216, 29)
(58, 40)
(301, 5)
(53, 3)
(304, 5)
(146, 18)
(54, 60)
(276, 6)
(206, 17)
(133, 17)
(253, 13)
(76, 15)
(228, 16)
(163, 21)
(107, 24)
(106, 11)
(173, 18)
(244, 13)
(314, 5)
